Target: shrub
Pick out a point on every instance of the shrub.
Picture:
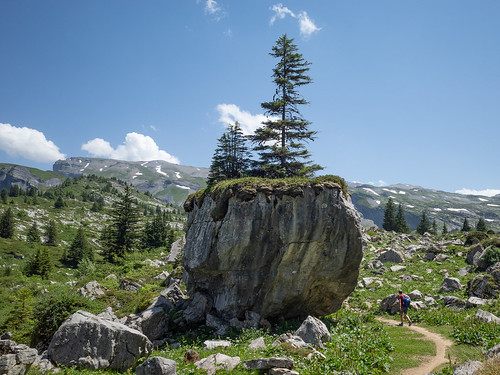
(481, 236)
(51, 312)
(491, 256)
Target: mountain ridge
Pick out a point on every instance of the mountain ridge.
(172, 183)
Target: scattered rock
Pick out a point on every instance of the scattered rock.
(493, 352)
(418, 305)
(487, 317)
(257, 344)
(441, 257)
(450, 284)
(429, 301)
(157, 366)
(212, 344)
(313, 331)
(476, 301)
(485, 285)
(91, 290)
(88, 341)
(282, 371)
(454, 302)
(392, 256)
(468, 368)
(474, 254)
(153, 322)
(390, 304)
(216, 362)
(397, 268)
(130, 286)
(268, 363)
(464, 271)
(162, 276)
(429, 256)
(15, 359)
(416, 295)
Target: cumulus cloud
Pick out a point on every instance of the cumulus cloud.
(230, 113)
(306, 25)
(212, 8)
(137, 147)
(485, 192)
(28, 143)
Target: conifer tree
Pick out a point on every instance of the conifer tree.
(80, 248)
(33, 234)
(40, 264)
(280, 142)
(231, 157)
(481, 225)
(51, 232)
(389, 216)
(434, 227)
(155, 232)
(424, 225)
(59, 203)
(445, 228)
(4, 195)
(401, 226)
(7, 224)
(121, 235)
(466, 226)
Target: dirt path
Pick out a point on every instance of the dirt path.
(429, 363)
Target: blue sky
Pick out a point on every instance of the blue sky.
(403, 91)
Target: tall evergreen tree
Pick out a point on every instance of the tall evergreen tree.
(33, 234)
(280, 142)
(7, 224)
(231, 157)
(401, 226)
(434, 227)
(155, 232)
(466, 226)
(80, 248)
(121, 235)
(389, 216)
(445, 228)
(481, 225)
(424, 225)
(59, 203)
(51, 232)
(40, 264)
(4, 195)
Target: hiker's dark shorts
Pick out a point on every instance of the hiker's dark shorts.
(404, 310)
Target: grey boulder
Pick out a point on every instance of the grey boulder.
(15, 359)
(313, 331)
(450, 284)
(88, 341)
(157, 366)
(487, 317)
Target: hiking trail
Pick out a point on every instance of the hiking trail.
(429, 363)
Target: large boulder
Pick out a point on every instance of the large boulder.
(486, 316)
(15, 359)
(485, 285)
(390, 304)
(279, 251)
(475, 254)
(313, 331)
(153, 322)
(391, 256)
(86, 340)
(450, 284)
(157, 366)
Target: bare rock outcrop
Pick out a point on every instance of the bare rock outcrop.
(15, 359)
(278, 251)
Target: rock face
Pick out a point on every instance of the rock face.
(279, 252)
(15, 359)
(88, 341)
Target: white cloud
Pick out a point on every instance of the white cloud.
(213, 9)
(230, 113)
(280, 12)
(485, 192)
(137, 147)
(306, 25)
(28, 143)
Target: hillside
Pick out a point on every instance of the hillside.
(171, 183)
(450, 208)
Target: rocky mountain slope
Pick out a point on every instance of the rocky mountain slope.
(171, 183)
(444, 207)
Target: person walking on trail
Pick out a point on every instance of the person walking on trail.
(404, 303)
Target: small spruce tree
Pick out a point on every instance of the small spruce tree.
(59, 203)
(389, 216)
(466, 226)
(33, 234)
(400, 221)
(424, 225)
(80, 248)
(7, 223)
(51, 232)
(481, 225)
(445, 228)
(4, 194)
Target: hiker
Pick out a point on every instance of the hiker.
(404, 303)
